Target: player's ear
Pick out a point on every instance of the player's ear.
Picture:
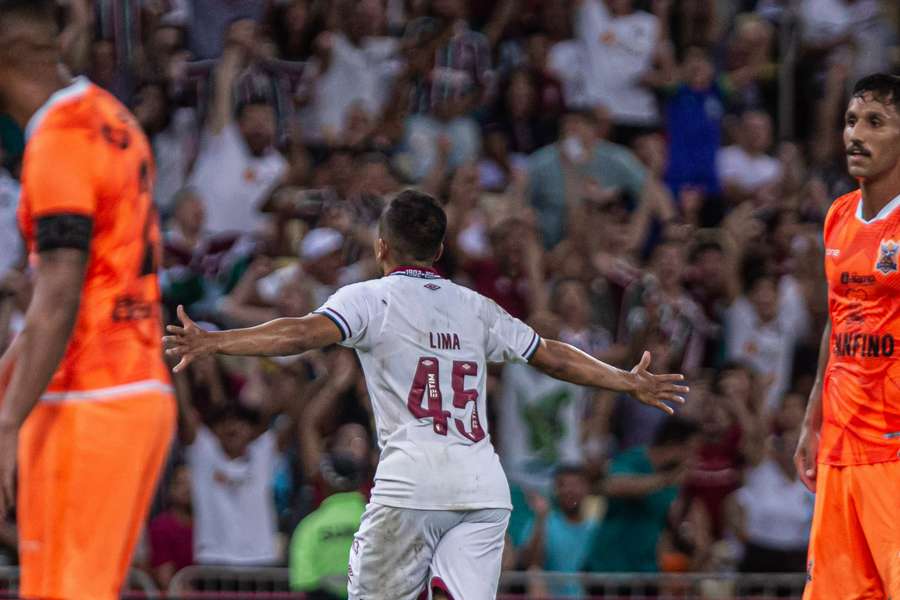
(440, 253)
(381, 249)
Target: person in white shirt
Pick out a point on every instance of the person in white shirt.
(232, 461)
(440, 506)
(763, 327)
(237, 166)
(621, 48)
(745, 170)
(355, 66)
(772, 512)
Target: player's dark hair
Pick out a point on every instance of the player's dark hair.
(882, 87)
(414, 225)
(675, 431)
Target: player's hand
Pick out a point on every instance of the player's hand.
(656, 390)
(188, 342)
(9, 444)
(805, 457)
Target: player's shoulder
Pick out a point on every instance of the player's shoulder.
(84, 113)
(843, 207)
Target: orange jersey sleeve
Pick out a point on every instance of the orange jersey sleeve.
(861, 392)
(88, 165)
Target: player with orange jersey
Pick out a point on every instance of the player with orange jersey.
(849, 449)
(86, 405)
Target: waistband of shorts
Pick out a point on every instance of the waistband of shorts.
(106, 394)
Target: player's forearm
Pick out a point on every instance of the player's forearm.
(813, 419)
(565, 362)
(39, 350)
(279, 337)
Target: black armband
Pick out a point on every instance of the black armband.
(65, 230)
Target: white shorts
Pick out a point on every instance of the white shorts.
(402, 553)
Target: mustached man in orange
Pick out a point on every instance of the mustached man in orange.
(86, 403)
(849, 449)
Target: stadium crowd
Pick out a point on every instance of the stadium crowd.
(612, 175)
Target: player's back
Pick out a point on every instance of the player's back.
(87, 172)
(424, 344)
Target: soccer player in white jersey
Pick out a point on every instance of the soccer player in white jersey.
(441, 503)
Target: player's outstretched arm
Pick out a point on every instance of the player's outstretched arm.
(279, 337)
(566, 362)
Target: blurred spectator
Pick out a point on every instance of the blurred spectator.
(232, 463)
(642, 484)
(566, 58)
(764, 325)
(540, 420)
(171, 532)
(559, 173)
(560, 536)
(694, 107)
(745, 170)
(450, 63)
(451, 75)
(321, 266)
(772, 512)
(173, 135)
(732, 435)
(12, 251)
(339, 467)
(625, 56)
(352, 69)
(292, 25)
(208, 20)
(657, 306)
(526, 124)
(237, 165)
(511, 275)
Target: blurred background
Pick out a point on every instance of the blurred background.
(622, 174)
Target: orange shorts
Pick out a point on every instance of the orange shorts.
(87, 473)
(854, 546)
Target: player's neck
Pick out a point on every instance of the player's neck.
(31, 94)
(877, 193)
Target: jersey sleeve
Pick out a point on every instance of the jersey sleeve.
(508, 338)
(60, 189)
(348, 310)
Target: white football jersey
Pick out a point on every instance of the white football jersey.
(424, 344)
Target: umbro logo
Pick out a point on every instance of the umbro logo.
(433, 287)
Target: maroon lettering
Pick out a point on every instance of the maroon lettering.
(426, 387)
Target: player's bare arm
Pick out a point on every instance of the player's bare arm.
(566, 362)
(808, 445)
(279, 337)
(39, 349)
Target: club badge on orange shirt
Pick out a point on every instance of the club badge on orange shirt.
(887, 257)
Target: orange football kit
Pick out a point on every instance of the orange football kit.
(91, 451)
(854, 549)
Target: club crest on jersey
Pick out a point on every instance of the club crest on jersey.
(887, 257)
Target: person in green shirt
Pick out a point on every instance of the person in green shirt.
(320, 546)
(641, 486)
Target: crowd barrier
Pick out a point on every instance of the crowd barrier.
(140, 585)
(235, 583)
(206, 582)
